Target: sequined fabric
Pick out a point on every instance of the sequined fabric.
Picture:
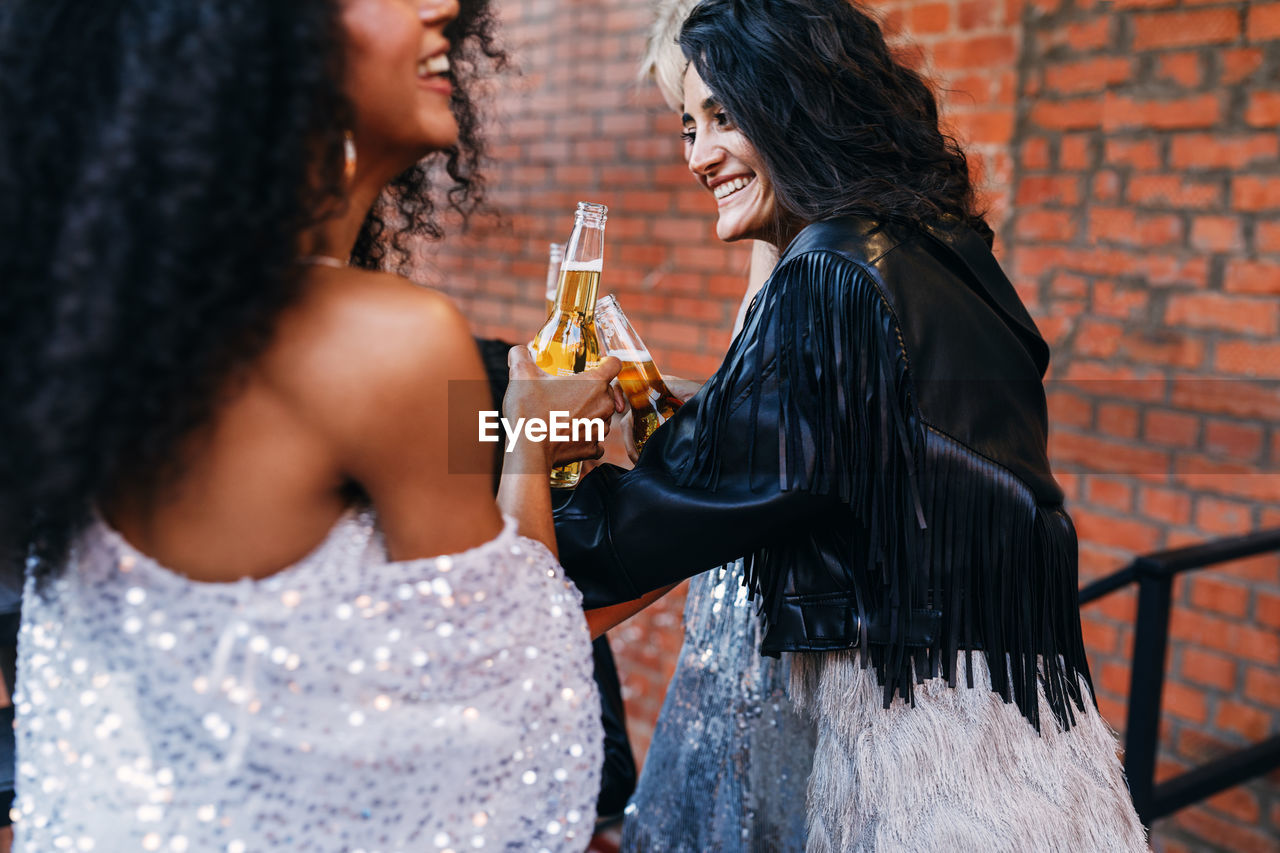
(346, 703)
(729, 761)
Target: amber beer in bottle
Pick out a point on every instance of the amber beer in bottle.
(566, 344)
(554, 259)
(652, 403)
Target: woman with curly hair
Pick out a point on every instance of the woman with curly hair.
(270, 602)
(874, 447)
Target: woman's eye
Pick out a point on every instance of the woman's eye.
(687, 136)
(722, 119)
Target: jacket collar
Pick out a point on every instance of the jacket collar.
(961, 242)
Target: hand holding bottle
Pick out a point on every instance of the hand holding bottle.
(534, 394)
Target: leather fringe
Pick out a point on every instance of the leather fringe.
(942, 527)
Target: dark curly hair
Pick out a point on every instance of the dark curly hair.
(840, 125)
(156, 171)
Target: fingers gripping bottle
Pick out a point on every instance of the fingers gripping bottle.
(566, 344)
(652, 403)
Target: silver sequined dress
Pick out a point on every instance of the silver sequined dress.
(347, 703)
(729, 761)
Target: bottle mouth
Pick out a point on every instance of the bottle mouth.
(590, 210)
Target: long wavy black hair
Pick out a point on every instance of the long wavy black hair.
(840, 125)
(157, 167)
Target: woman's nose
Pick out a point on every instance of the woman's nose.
(704, 155)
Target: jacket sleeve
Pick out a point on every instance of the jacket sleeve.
(783, 434)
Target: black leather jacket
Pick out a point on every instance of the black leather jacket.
(874, 445)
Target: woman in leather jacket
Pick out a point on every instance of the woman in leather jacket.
(875, 447)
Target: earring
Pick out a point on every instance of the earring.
(348, 156)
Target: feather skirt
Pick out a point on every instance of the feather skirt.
(962, 770)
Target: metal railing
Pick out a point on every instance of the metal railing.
(1154, 574)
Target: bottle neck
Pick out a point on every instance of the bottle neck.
(576, 292)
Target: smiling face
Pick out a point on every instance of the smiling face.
(726, 163)
(398, 76)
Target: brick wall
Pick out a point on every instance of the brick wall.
(1129, 156)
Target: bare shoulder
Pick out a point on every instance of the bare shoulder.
(365, 344)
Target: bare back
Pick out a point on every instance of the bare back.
(352, 389)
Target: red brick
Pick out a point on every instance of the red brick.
(1171, 429)
(1197, 111)
(1127, 383)
(1262, 686)
(1067, 409)
(1117, 420)
(1090, 35)
(1249, 722)
(1226, 313)
(1224, 396)
(1266, 236)
(1106, 186)
(1182, 68)
(1075, 152)
(1060, 190)
(1133, 536)
(1199, 747)
(1214, 151)
(985, 51)
(1239, 803)
(1210, 593)
(1185, 702)
(928, 18)
(1163, 347)
(1098, 340)
(1263, 109)
(1034, 154)
(1208, 669)
(1264, 22)
(1068, 286)
(1239, 63)
(1100, 638)
(1139, 154)
(1242, 442)
(1088, 75)
(1074, 114)
(1110, 300)
(1113, 677)
(1164, 505)
(1225, 635)
(1183, 29)
(1267, 611)
(1252, 277)
(1173, 191)
(977, 14)
(1251, 192)
(1232, 479)
(1110, 492)
(1245, 358)
(1123, 226)
(1225, 835)
(1216, 234)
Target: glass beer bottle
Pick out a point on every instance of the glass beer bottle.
(652, 403)
(555, 256)
(566, 344)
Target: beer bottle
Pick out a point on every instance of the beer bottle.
(652, 403)
(555, 256)
(566, 344)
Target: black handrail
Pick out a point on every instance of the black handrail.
(1154, 574)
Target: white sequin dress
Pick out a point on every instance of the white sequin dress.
(347, 703)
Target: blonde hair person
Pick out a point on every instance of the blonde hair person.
(719, 789)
